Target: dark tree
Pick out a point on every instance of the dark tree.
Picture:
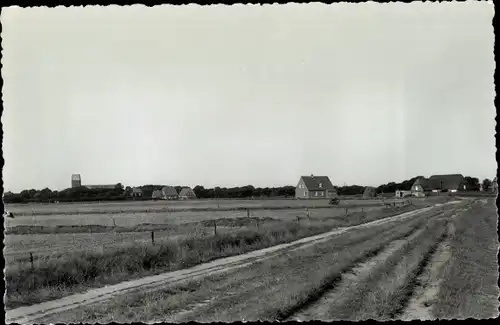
(472, 183)
(486, 184)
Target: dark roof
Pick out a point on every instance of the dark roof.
(436, 182)
(448, 182)
(169, 191)
(186, 191)
(106, 186)
(312, 183)
(156, 194)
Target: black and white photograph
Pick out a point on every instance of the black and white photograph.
(249, 162)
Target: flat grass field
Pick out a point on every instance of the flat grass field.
(442, 263)
(159, 206)
(65, 251)
(132, 219)
(59, 234)
(50, 235)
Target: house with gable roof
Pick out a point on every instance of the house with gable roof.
(315, 187)
(187, 193)
(439, 183)
(170, 193)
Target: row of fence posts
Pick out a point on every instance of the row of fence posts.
(214, 223)
(307, 213)
(215, 228)
(248, 216)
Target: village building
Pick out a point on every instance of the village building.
(170, 193)
(187, 193)
(439, 183)
(402, 193)
(315, 187)
(370, 192)
(136, 192)
(157, 195)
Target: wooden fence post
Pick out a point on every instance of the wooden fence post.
(306, 212)
(258, 223)
(31, 261)
(298, 219)
(153, 237)
(215, 227)
(248, 213)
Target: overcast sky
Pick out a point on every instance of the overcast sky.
(234, 95)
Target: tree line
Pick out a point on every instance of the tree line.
(121, 192)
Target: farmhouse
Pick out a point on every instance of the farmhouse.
(369, 192)
(169, 193)
(401, 193)
(136, 192)
(157, 195)
(187, 193)
(439, 183)
(315, 187)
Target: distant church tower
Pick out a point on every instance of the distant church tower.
(76, 180)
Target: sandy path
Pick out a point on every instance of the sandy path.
(321, 309)
(421, 303)
(30, 314)
(325, 309)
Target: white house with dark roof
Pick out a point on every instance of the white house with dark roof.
(315, 187)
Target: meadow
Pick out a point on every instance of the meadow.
(46, 236)
(441, 263)
(132, 219)
(66, 260)
(60, 235)
(162, 206)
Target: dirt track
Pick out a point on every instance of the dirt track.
(403, 277)
(50, 310)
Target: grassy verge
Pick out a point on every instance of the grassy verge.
(470, 285)
(58, 277)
